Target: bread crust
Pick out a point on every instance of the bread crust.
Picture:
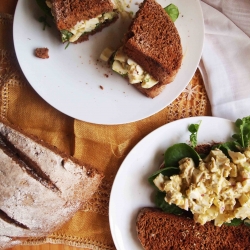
(154, 43)
(68, 12)
(150, 92)
(158, 230)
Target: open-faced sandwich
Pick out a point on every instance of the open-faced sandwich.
(202, 195)
(77, 19)
(151, 53)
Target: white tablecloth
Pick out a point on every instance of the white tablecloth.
(225, 62)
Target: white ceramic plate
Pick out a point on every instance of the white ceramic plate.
(71, 80)
(131, 190)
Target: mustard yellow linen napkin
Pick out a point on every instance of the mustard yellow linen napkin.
(101, 146)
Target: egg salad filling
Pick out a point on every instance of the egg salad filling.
(125, 66)
(84, 26)
(218, 189)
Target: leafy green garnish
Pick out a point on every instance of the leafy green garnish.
(47, 13)
(43, 19)
(168, 208)
(224, 147)
(67, 45)
(193, 128)
(179, 151)
(43, 6)
(168, 171)
(230, 145)
(66, 35)
(234, 222)
(241, 138)
(172, 11)
(243, 135)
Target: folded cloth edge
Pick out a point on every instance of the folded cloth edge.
(224, 65)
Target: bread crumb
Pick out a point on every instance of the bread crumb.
(42, 53)
(101, 87)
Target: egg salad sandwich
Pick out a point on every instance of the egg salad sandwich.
(77, 19)
(151, 53)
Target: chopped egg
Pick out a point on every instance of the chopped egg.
(218, 189)
(126, 66)
(89, 25)
(106, 54)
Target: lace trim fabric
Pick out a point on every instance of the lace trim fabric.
(100, 201)
(10, 74)
(71, 241)
(194, 95)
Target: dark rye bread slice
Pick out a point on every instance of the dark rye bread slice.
(155, 44)
(76, 181)
(68, 13)
(157, 230)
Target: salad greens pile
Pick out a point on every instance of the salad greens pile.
(193, 128)
(240, 141)
(47, 13)
(172, 11)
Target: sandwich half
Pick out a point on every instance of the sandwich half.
(151, 54)
(77, 19)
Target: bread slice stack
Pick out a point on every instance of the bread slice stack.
(154, 43)
(151, 52)
(158, 230)
(40, 187)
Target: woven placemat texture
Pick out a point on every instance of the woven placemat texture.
(101, 146)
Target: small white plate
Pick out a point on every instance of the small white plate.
(75, 82)
(131, 190)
